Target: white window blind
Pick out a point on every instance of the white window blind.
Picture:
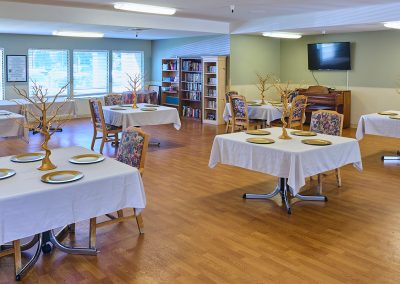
(125, 62)
(90, 72)
(49, 68)
(1, 74)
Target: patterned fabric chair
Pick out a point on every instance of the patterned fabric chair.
(297, 112)
(113, 100)
(227, 97)
(331, 123)
(143, 96)
(110, 132)
(240, 118)
(292, 95)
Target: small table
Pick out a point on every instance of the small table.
(267, 112)
(29, 207)
(11, 125)
(138, 117)
(290, 160)
(382, 125)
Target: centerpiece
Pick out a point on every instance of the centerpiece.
(262, 86)
(134, 81)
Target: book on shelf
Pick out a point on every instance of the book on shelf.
(212, 81)
(171, 88)
(211, 116)
(193, 96)
(170, 66)
(192, 77)
(170, 79)
(188, 111)
(212, 104)
(192, 86)
(212, 92)
(212, 69)
(188, 65)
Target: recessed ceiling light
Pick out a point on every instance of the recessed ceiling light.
(141, 8)
(78, 34)
(392, 25)
(282, 35)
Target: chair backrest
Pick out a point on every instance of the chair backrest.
(230, 93)
(327, 122)
(293, 95)
(155, 99)
(96, 112)
(132, 149)
(113, 99)
(238, 106)
(298, 108)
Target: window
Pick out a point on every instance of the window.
(49, 69)
(1, 74)
(125, 62)
(90, 72)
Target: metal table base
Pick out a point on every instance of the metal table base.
(282, 189)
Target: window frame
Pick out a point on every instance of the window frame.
(108, 72)
(68, 90)
(142, 69)
(2, 75)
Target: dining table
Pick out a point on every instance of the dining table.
(144, 115)
(12, 125)
(292, 161)
(386, 123)
(30, 207)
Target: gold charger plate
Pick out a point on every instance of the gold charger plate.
(316, 142)
(388, 113)
(304, 133)
(6, 173)
(28, 157)
(258, 132)
(150, 105)
(260, 140)
(118, 108)
(148, 109)
(87, 159)
(61, 177)
(395, 117)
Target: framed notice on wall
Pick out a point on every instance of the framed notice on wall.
(16, 68)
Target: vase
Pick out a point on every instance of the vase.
(47, 165)
(134, 97)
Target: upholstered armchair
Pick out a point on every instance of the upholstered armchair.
(240, 117)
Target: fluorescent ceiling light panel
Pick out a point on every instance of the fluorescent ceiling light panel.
(282, 35)
(392, 25)
(141, 8)
(78, 34)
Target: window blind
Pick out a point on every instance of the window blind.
(90, 72)
(2, 74)
(125, 62)
(49, 68)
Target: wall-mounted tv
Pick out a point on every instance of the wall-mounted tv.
(329, 56)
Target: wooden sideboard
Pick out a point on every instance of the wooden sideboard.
(322, 98)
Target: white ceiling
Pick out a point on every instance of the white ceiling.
(200, 17)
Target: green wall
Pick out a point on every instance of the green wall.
(19, 45)
(375, 60)
(251, 54)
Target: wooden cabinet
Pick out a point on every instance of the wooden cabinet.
(170, 82)
(191, 88)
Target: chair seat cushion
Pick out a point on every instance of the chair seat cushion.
(110, 127)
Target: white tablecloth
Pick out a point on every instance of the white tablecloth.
(29, 206)
(376, 124)
(137, 117)
(68, 109)
(11, 124)
(265, 112)
(285, 158)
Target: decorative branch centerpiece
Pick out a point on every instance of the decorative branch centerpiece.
(134, 81)
(263, 85)
(41, 107)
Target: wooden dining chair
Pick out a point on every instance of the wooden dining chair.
(227, 100)
(240, 117)
(297, 112)
(132, 151)
(15, 250)
(113, 100)
(331, 123)
(109, 132)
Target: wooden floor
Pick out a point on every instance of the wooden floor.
(200, 230)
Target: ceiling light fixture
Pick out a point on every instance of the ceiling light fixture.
(78, 34)
(392, 25)
(141, 8)
(282, 35)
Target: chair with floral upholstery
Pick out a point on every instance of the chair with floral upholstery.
(331, 123)
(113, 100)
(227, 96)
(240, 117)
(297, 112)
(110, 132)
(131, 151)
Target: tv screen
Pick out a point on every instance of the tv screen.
(329, 56)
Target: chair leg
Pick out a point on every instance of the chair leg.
(103, 140)
(338, 178)
(93, 140)
(120, 213)
(92, 233)
(17, 257)
(139, 221)
(233, 127)
(116, 140)
(320, 184)
(227, 127)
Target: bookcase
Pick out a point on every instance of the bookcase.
(214, 89)
(170, 82)
(191, 88)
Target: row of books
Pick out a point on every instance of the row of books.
(173, 65)
(212, 69)
(192, 86)
(194, 96)
(212, 81)
(192, 77)
(188, 111)
(211, 116)
(212, 92)
(171, 79)
(212, 104)
(171, 88)
(191, 66)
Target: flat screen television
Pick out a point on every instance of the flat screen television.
(329, 56)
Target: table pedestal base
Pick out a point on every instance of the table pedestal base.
(282, 189)
(392, 158)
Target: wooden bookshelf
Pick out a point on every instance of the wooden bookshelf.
(214, 79)
(170, 82)
(191, 88)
